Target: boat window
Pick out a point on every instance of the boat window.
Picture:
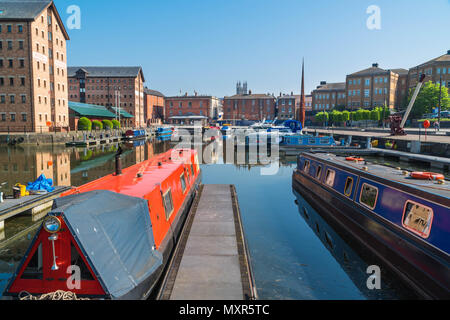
(183, 183)
(319, 172)
(418, 219)
(369, 196)
(76, 260)
(312, 141)
(168, 204)
(34, 269)
(329, 180)
(305, 212)
(348, 187)
(306, 166)
(187, 174)
(192, 169)
(325, 141)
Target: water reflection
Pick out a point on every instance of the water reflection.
(352, 258)
(290, 259)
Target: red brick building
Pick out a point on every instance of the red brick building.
(99, 85)
(249, 107)
(328, 96)
(33, 67)
(197, 105)
(154, 105)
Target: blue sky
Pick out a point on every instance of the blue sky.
(208, 45)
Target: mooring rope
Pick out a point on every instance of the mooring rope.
(57, 295)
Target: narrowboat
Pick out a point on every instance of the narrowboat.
(115, 235)
(164, 134)
(403, 220)
(307, 141)
(131, 135)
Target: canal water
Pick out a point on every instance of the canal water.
(294, 256)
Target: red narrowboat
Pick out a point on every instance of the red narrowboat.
(112, 238)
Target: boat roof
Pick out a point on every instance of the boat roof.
(130, 184)
(388, 173)
(104, 224)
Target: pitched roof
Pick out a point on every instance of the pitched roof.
(28, 10)
(370, 71)
(443, 58)
(332, 87)
(90, 110)
(102, 72)
(400, 71)
(153, 92)
(123, 113)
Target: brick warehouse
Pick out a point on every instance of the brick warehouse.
(328, 96)
(435, 70)
(249, 107)
(33, 68)
(154, 105)
(375, 87)
(198, 105)
(97, 85)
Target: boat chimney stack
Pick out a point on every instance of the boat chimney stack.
(119, 162)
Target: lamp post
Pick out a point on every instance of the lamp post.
(440, 94)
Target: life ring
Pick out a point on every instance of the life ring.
(354, 159)
(427, 176)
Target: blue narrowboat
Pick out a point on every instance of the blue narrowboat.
(308, 141)
(164, 134)
(135, 135)
(405, 222)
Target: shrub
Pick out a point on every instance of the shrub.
(107, 124)
(84, 124)
(97, 125)
(116, 124)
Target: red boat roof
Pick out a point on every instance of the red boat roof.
(151, 173)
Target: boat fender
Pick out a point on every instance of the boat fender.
(355, 159)
(427, 176)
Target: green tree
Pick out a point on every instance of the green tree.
(345, 115)
(97, 125)
(84, 124)
(375, 114)
(428, 99)
(107, 124)
(322, 117)
(116, 124)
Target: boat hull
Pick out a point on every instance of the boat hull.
(415, 264)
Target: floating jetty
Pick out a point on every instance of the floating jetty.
(211, 260)
(33, 204)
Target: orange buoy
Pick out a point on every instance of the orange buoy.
(354, 159)
(427, 176)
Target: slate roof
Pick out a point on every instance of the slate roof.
(28, 10)
(443, 58)
(123, 113)
(251, 96)
(153, 93)
(332, 87)
(103, 72)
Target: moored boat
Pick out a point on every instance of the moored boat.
(135, 135)
(112, 238)
(404, 221)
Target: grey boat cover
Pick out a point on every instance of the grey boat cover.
(115, 232)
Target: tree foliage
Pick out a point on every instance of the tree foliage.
(116, 124)
(107, 124)
(84, 124)
(428, 99)
(97, 125)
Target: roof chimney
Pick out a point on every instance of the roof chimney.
(322, 83)
(375, 65)
(448, 51)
